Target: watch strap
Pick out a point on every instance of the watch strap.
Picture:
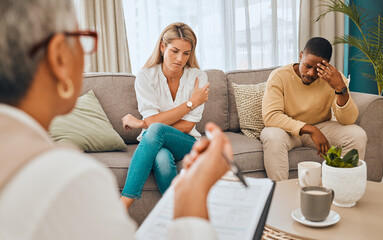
(343, 91)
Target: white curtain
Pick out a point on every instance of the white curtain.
(231, 34)
(329, 27)
(107, 18)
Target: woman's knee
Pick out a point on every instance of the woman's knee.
(154, 131)
(155, 127)
(164, 162)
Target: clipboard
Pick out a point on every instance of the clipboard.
(234, 210)
(262, 221)
(229, 176)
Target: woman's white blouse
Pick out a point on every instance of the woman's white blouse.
(153, 94)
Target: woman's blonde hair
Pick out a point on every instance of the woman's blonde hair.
(176, 30)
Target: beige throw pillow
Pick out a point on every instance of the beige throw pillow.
(87, 126)
(248, 98)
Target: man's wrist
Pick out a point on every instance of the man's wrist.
(341, 91)
(307, 129)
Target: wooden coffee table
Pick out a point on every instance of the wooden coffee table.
(363, 221)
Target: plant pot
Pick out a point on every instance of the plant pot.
(349, 184)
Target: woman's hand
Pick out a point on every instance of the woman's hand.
(199, 95)
(204, 167)
(129, 122)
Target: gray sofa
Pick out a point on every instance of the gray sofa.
(117, 97)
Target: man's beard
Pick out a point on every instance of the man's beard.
(309, 79)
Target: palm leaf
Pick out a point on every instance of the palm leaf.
(362, 59)
(370, 43)
(377, 31)
(356, 14)
(354, 42)
(370, 76)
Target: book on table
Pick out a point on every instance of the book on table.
(235, 212)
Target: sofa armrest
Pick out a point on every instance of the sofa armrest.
(371, 120)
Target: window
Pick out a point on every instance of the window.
(231, 34)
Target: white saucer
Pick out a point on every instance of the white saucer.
(331, 219)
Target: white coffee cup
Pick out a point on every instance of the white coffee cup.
(309, 173)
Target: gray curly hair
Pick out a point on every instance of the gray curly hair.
(24, 23)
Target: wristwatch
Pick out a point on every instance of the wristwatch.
(343, 91)
(189, 104)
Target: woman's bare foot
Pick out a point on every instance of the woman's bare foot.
(126, 201)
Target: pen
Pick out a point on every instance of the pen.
(233, 166)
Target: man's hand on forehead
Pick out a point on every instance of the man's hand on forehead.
(330, 74)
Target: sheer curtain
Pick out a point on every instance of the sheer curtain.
(232, 34)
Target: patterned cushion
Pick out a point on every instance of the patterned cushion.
(248, 98)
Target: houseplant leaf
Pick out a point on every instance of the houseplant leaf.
(349, 157)
(355, 160)
(338, 162)
(333, 158)
(371, 41)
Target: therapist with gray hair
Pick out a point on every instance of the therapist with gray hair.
(55, 192)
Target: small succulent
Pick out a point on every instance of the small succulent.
(334, 159)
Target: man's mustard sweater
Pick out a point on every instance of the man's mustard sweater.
(289, 104)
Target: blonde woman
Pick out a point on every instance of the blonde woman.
(50, 192)
(171, 91)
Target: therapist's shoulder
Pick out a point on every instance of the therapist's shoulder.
(72, 164)
(84, 187)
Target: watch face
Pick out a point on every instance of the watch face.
(344, 90)
(189, 104)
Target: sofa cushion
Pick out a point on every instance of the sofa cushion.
(248, 98)
(216, 108)
(248, 154)
(87, 126)
(117, 96)
(242, 77)
(119, 163)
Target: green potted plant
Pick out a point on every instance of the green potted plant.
(346, 175)
(333, 158)
(371, 41)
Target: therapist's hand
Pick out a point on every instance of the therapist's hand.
(204, 166)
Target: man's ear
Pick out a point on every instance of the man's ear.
(300, 55)
(58, 57)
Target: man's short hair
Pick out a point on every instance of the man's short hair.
(319, 47)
